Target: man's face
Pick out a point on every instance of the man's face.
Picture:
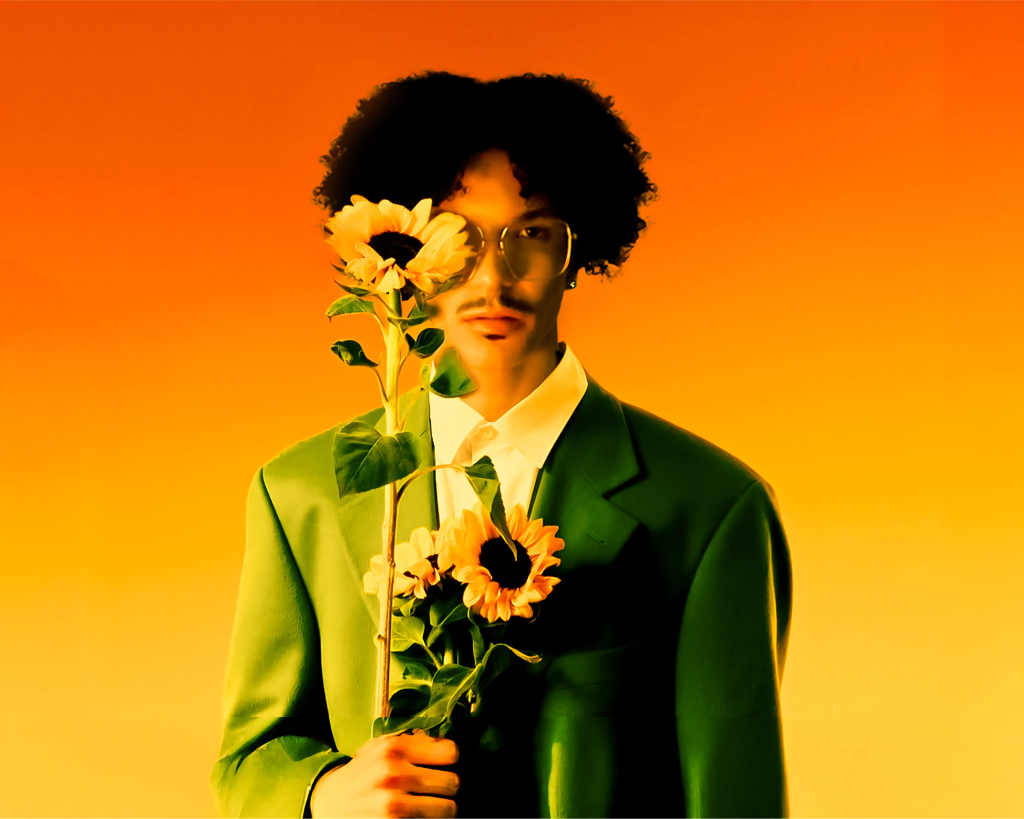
(494, 320)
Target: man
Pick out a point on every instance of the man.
(665, 641)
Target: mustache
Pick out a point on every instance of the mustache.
(509, 302)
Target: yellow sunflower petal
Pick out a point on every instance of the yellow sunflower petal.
(349, 226)
(422, 541)
(490, 611)
(531, 533)
(444, 224)
(504, 608)
(368, 252)
(421, 215)
(420, 280)
(475, 530)
(403, 585)
(534, 595)
(382, 217)
(492, 592)
(392, 280)
(405, 556)
(373, 578)
(522, 609)
(394, 218)
(517, 521)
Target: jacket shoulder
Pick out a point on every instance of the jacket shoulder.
(309, 463)
(692, 464)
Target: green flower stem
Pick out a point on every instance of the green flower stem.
(387, 306)
(434, 658)
(449, 649)
(412, 403)
(421, 472)
(390, 389)
(380, 387)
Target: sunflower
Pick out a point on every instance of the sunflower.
(385, 245)
(498, 586)
(418, 564)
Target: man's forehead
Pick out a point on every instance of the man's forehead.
(536, 207)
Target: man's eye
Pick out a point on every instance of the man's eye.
(533, 232)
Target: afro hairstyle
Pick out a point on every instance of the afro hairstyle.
(564, 140)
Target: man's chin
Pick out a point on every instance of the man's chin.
(489, 352)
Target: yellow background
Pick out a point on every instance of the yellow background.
(830, 289)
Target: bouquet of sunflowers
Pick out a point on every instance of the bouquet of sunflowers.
(440, 592)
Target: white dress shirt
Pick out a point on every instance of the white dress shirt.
(518, 443)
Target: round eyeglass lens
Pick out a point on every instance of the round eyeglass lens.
(538, 248)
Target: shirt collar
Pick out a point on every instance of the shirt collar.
(532, 426)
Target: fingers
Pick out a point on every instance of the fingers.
(421, 749)
(405, 805)
(430, 782)
(405, 777)
(414, 791)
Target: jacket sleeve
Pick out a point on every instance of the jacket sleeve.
(729, 664)
(277, 738)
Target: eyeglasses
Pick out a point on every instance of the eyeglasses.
(535, 248)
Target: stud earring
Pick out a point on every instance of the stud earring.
(571, 284)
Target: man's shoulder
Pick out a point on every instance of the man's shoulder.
(311, 459)
(670, 454)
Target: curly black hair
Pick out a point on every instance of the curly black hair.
(411, 139)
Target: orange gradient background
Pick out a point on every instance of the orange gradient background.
(830, 289)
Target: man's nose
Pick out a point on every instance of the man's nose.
(491, 270)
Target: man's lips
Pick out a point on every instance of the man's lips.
(493, 323)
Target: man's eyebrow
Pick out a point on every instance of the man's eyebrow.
(543, 210)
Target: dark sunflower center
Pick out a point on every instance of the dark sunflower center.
(397, 246)
(496, 557)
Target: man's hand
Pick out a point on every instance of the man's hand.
(384, 779)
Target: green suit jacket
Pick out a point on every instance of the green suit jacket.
(664, 644)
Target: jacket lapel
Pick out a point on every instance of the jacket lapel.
(593, 456)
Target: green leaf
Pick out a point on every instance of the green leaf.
(351, 352)
(442, 613)
(426, 343)
(406, 631)
(442, 609)
(414, 675)
(408, 706)
(448, 284)
(451, 379)
(459, 715)
(355, 291)
(364, 459)
(425, 376)
(409, 701)
(530, 658)
(484, 479)
(494, 662)
(450, 682)
(478, 640)
(416, 316)
(350, 304)
(447, 688)
(478, 620)
(407, 605)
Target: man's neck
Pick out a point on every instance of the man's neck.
(498, 390)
